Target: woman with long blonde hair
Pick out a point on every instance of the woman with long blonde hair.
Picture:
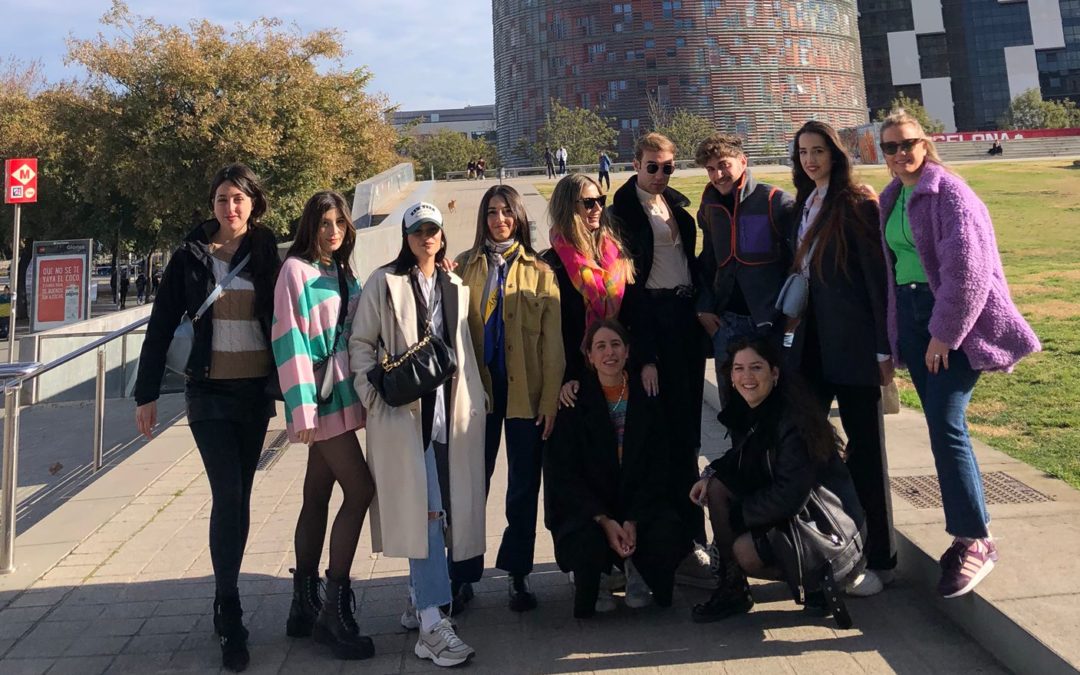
(592, 267)
(950, 317)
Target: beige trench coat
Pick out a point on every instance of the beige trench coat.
(394, 437)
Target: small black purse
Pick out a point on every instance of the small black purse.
(421, 369)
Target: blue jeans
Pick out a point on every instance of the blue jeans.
(944, 398)
(731, 326)
(429, 581)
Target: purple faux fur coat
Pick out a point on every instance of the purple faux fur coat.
(954, 237)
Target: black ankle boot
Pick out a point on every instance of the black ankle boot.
(306, 603)
(522, 599)
(229, 626)
(336, 625)
(731, 597)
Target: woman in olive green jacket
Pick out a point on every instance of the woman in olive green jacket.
(516, 329)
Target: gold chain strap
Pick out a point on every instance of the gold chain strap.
(388, 365)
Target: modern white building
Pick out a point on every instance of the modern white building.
(475, 121)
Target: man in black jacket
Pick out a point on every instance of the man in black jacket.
(744, 258)
(653, 222)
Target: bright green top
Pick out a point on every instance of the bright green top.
(898, 236)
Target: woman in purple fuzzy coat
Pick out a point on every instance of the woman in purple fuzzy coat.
(950, 317)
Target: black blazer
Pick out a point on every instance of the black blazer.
(582, 474)
(633, 226)
(847, 311)
(572, 311)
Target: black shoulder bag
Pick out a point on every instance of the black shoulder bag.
(819, 549)
(421, 369)
(326, 383)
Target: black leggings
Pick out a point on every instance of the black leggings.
(230, 451)
(338, 459)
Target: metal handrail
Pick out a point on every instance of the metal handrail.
(13, 376)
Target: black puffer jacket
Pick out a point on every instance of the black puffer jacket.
(185, 285)
(771, 473)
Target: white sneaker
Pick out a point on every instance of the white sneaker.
(442, 646)
(870, 582)
(697, 570)
(638, 594)
(410, 619)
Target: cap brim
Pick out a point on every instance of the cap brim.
(415, 227)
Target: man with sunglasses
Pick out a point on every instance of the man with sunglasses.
(744, 260)
(668, 343)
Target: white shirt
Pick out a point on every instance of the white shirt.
(429, 288)
(809, 215)
(669, 267)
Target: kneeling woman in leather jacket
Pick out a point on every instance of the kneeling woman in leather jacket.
(784, 449)
(604, 482)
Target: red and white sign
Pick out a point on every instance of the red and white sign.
(60, 291)
(1014, 134)
(20, 181)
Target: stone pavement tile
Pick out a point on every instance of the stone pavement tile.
(757, 666)
(366, 593)
(96, 646)
(130, 610)
(16, 666)
(115, 628)
(154, 644)
(176, 607)
(11, 630)
(59, 630)
(81, 665)
(164, 625)
(94, 544)
(83, 558)
(72, 611)
(307, 658)
(44, 597)
(268, 659)
(824, 662)
(382, 625)
(139, 664)
(20, 614)
(41, 647)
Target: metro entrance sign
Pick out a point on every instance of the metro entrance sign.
(20, 181)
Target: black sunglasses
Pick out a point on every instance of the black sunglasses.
(653, 167)
(590, 202)
(890, 147)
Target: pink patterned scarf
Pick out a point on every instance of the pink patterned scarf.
(601, 286)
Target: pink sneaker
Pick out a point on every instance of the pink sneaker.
(964, 565)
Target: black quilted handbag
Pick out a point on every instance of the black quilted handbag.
(421, 369)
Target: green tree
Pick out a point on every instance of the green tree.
(914, 108)
(685, 129)
(1030, 111)
(168, 106)
(583, 132)
(449, 150)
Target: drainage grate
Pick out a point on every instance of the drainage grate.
(922, 492)
(275, 445)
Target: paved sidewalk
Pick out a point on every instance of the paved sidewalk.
(134, 597)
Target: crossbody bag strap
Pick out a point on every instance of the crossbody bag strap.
(343, 310)
(216, 293)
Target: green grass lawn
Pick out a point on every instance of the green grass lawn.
(1032, 414)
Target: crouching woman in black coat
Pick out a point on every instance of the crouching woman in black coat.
(604, 496)
(786, 450)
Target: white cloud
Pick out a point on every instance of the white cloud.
(423, 53)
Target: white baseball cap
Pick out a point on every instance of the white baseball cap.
(418, 214)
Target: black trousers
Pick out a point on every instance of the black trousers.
(680, 356)
(660, 549)
(230, 450)
(861, 417)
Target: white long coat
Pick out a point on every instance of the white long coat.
(394, 438)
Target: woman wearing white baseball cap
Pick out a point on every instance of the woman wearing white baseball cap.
(427, 456)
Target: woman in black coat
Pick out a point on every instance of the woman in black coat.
(755, 489)
(840, 345)
(604, 483)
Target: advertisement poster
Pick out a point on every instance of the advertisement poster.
(61, 283)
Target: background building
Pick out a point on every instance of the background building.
(752, 67)
(967, 59)
(475, 121)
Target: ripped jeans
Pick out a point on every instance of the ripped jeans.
(429, 579)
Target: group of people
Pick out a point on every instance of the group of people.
(589, 358)
(560, 156)
(476, 168)
(145, 287)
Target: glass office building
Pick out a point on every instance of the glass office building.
(759, 68)
(967, 59)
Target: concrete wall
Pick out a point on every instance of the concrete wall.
(376, 246)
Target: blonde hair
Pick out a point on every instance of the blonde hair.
(565, 222)
(653, 141)
(901, 117)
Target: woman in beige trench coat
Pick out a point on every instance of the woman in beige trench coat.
(427, 457)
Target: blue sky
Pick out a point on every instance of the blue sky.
(423, 53)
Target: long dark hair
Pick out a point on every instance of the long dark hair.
(406, 259)
(841, 205)
(306, 243)
(264, 256)
(517, 205)
(819, 435)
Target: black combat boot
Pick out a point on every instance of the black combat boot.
(306, 603)
(731, 597)
(336, 625)
(229, 626)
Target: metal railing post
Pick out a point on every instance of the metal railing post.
(10, 477)
(99, 409)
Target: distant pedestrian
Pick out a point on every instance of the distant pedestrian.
(950, 318)
(471, 168)
(481, 167)
(154, 283)
(549, 162)
(605, 166)
(5, 311)
(140, 288)
(125, 284)
(562, 156)
(114, 288)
